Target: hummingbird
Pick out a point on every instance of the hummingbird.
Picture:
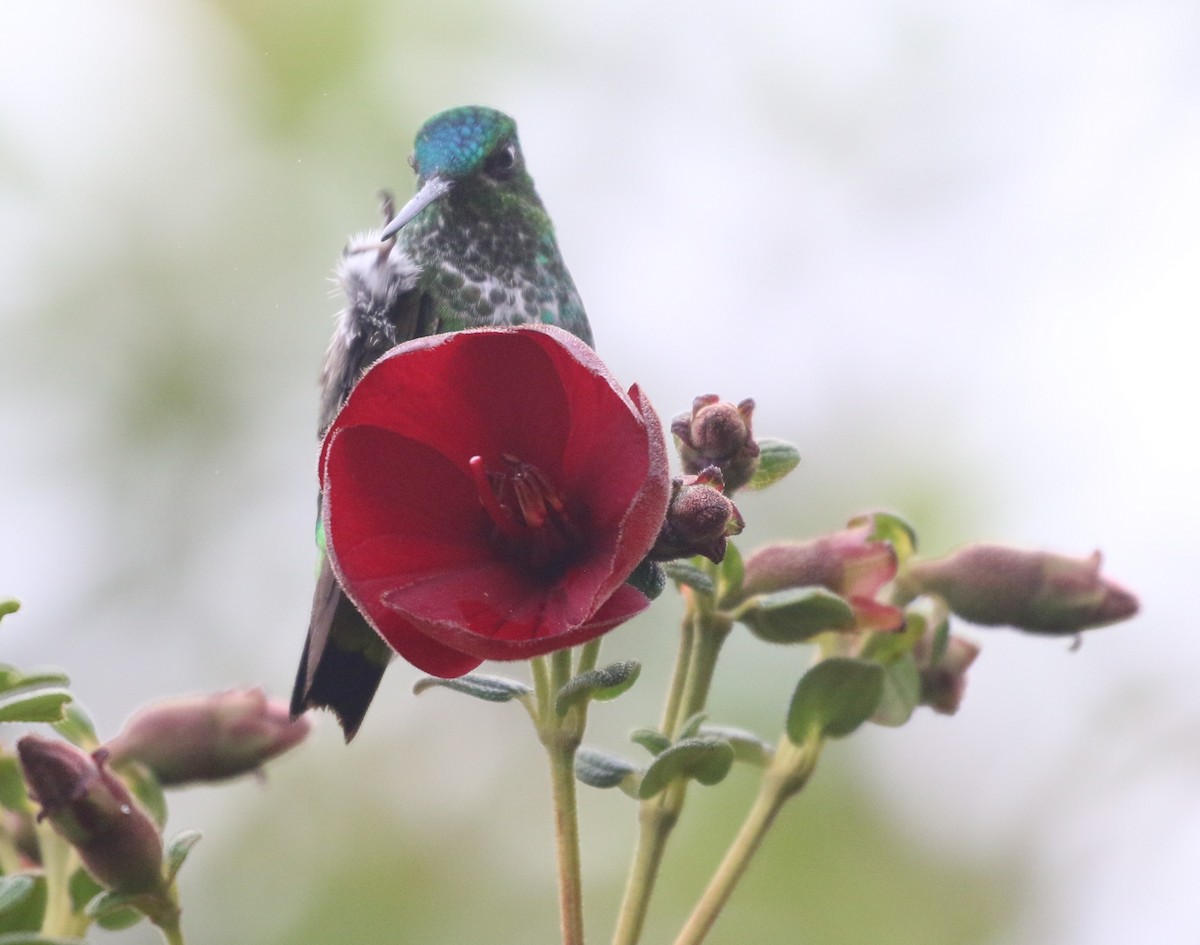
(473, 247)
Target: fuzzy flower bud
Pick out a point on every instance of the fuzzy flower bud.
(849, 563)
(94, 811)
(718, 434)
(208, 737)
(944, 682)
(1031, 590)
(699, 519)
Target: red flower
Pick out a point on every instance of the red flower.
(488, 492)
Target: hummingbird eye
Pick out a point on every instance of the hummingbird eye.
(499, 164)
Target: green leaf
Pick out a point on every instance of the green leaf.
(833, 699)
(15, 890)
(12, 678)
(651, 739)
(77, 728)
(119, 917)
(601, 684)
(795, 615)
(24, 903)
(479, 685)
(775, 460)
(888, 647)
(114, 911)
(33, 938)
(730, 574)
(706, 760)
(649, 578)
(747, 747)
(687, 574)
(599, 769)
(901, 692)
(177, 851)
(12, 785)
(40, 705)
(691, 725)
(892, 529)
(8, 605)
(82, 888)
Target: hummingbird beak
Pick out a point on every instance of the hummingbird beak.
(433, 189)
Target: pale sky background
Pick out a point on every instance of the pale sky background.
(951, 249)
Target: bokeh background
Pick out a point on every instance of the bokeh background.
(952, 251)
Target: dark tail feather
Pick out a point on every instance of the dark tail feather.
(343, 658)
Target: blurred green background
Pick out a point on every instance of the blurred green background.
(950, 249)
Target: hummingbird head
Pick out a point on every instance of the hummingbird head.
(471, 149)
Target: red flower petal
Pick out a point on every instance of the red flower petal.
(409, 538)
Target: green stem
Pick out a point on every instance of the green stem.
(589, 654)
(166, 916)
(704, 632)
(172, 932)
(712, 629)
(787, 774)
(679, 677)
(561, 737)
(10, 857)
(58, 863)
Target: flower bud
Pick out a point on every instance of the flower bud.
(943, 683)
(209, 737)
(1031, 590)
(94, 811)
(718, 434)
(699, 519)
(850, 563)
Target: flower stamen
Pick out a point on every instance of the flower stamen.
(501, 517)
(531, 519)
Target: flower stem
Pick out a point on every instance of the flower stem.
(58, 862)
(704, 633)
(172, 932)
(561, 737)
(788, 773)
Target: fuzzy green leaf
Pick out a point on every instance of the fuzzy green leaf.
(114, 911)
(15, 892)
(888, 647)
(691, 725)
(649, 578)
(24, 904)
(8, 605)
(85, 890)
(687, 574)
(706, 760)
(178, 849)
(39, 705)
(747, 747)
(833, 699)
(795, 615)
(487, 688)
(892, 529)
(776, 459)
(12, 678)
(599, 769)
(12, 785)
(651, 739)
(901, 692)
(601, 684)
(77, 728)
